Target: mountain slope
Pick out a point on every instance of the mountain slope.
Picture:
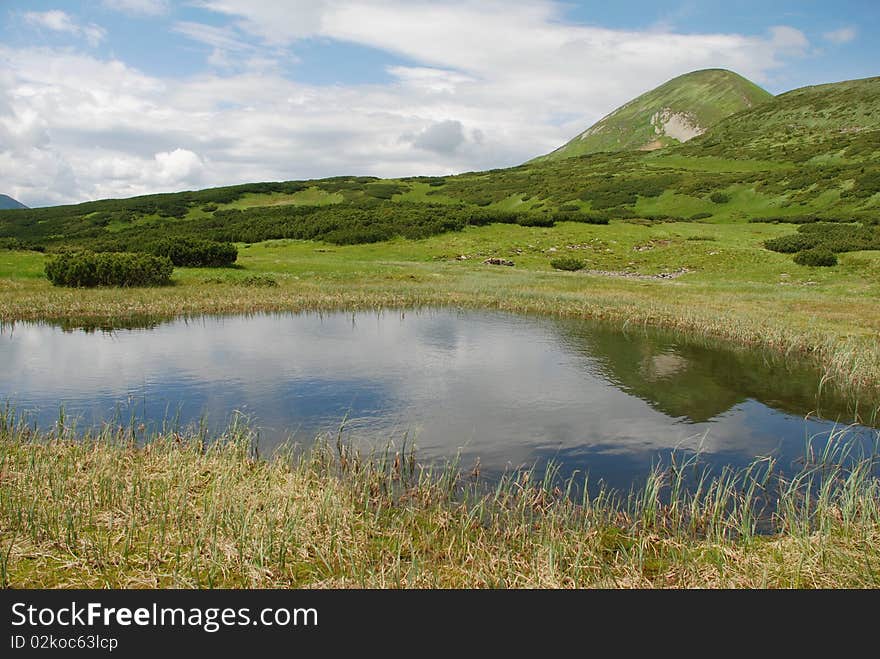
(8, 203)
(674, 112)
(837, 122)
(812, 153)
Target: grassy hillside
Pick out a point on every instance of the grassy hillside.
(670, 114)
(833, 124)
(811, 154)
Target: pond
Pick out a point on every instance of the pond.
(514, 391)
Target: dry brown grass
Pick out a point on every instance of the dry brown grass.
(180, 512)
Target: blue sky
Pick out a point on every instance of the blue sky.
(120, 97)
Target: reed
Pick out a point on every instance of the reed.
(182, 508)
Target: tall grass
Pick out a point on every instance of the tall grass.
(184, 509)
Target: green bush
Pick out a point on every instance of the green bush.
(535, 220)
(719, 198)
(579, 216)
(85, 269)
(816, 257)
(384, 190)
(194, 253)
(258, 281)
(796, 242)
(567, 263)
(11, 243)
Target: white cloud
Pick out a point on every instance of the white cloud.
(217, 37)
(59, 21)
(490, 84)
(178, 166)
(843, 35)
(789, 39)
(442, 137)
(139, 7)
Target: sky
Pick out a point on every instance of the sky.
(115, 98)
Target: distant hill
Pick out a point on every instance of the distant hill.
(831, 123)
(673, 113)
(807, 155)
(8, 203)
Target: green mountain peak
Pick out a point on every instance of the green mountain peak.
(673, 113)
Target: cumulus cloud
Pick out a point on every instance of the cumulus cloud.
(178, 166)
(843, 35)
(486, 85)
(442, 137)
(59, 21)
(789, 39)
(139, 7)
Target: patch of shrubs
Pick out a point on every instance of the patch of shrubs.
(251, 281)
(700, 216)
(796, 242)
(258, 281)
(535, 220)
(842, 237)
(719, 198)
(662, 217)
(86, 269)
(798, 219)
(11, 243)
(816, 257)
(342, 224)
(603, 193)
(834, 237)
(866, 185)
(584, 217)
(568, 263)
(194, 253)
(184, 251)
(384, 190)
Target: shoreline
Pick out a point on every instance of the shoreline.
(184, 512)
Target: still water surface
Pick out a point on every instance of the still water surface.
(510, 390)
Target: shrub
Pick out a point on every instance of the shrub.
(567, 263)
(535, 220)
(816, 257)
(194, 253)
(383, 190)
(796, 242)
(258, 281)
(719, 198)
(83, 269)
(583, 217)
(700, 216)
(11, 243)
